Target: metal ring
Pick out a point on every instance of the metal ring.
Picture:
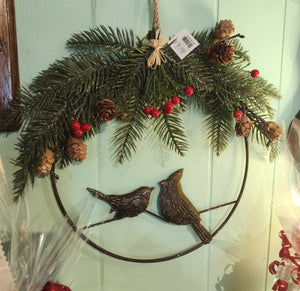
(160, 259)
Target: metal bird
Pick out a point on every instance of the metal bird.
(178, 209)
(126, 205)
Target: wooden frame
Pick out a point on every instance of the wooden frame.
(9, 69)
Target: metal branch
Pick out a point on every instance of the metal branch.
(99, 223)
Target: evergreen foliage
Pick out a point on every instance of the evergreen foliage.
(107, 63)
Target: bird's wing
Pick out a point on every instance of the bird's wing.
(187, 210)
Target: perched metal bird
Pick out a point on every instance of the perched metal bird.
(126, 205)
(178, 209)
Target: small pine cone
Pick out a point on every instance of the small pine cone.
(76, 149)
(273, 130)
(224, 29)
(243, 126)
(106, 110)
(121, 116)
(221, 53)
(45, 163)
(121, 113)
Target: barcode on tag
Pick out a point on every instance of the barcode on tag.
(183, 43)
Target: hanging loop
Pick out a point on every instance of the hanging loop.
(155, 22)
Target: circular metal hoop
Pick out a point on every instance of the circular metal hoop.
(160, 259)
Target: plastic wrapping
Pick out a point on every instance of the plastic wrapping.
(31, 259)
(287, 197)
(287, 209)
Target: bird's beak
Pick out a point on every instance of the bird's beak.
(92, 191)
(151, 189)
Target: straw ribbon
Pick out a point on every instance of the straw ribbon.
(157, 56)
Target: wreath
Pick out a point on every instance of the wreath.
(110, 74)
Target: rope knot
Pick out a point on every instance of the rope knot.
(157, 56)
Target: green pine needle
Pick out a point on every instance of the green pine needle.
(219, 127)
(131, 131)
(170, 131)
(101, 38)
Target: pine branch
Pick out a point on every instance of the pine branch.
(159, 87)
(259, 131)
(129, 78)
(240, 55)
(49, 129)
(69, 79)
(234, 88)
(41, 133)
(189, 72)
(169, 129)
(274, 151)
(80, 73)
(219, 127)
(205, 39)
(130, 73)
(126, 136)
(101, 38)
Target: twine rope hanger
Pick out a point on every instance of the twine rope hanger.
(157, 57)
(155, 22)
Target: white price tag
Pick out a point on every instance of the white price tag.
(183, 43)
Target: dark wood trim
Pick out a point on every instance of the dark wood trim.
(9, 68)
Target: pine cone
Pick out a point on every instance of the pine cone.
(243, 126)
(121, 116)
(121, 113)
(221, 53)
(76, 149)
(106, 110)
(273, 130)
(224, 29)
(45, 163)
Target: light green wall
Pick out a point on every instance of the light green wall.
(238, 257)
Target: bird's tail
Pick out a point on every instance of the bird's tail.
(99, 194)
(202, 232)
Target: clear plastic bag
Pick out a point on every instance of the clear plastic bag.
(32, 258)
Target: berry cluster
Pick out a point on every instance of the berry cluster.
(169, 106)
(154, 112)
(78, 128)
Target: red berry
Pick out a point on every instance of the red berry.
(168, 110)
(77, 133)
(188, 91)
(175, 100)
(237, 114)
(85, 127)
(75, 124)
(155, 112)
(254, 73)
(169, 105)
(51, 286)
(147, 110)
